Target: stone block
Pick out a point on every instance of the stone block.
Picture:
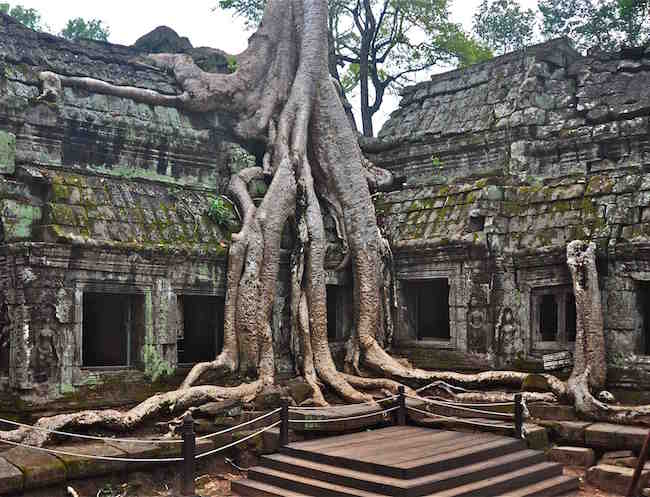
(7, 153)
(536, 437)
(11, 478)
(615, 437)
(567, 431)
(40, 469)
(572, 456)
(619, 458)
(80, 467)
(614, 479)
(554, 412)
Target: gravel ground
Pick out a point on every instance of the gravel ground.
(213, 480)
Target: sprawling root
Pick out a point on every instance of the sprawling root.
(110, 419)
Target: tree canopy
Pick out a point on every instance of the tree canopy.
(381, 45)
(608, 24)
(79, 28)
(503, 25)
(29, 17)
(75, 28)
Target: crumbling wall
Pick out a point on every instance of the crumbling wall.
(509, 161)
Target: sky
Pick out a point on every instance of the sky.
(196, 19)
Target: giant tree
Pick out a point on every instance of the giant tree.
(282, 100)
(381, 45)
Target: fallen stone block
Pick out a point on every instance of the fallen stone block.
(536, 436)
(614, 437)
(11, 478)
(615, 479)
(81, 467)
(573, 456)
(572, 432)
(39, 468)
(624, 458)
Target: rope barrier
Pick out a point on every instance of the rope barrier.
(467, 409)
(369, 403)
(233, 428)
(471, 404)
(89, 456)
(348, 418)
(259, 432)
(93, 437)
(460, 420)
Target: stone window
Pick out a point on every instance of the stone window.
(200, 331)
(339, 306)
(553, 317)
(643, 302)
(113, 329)
(428, 303)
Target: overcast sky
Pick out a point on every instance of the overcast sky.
(130, 19)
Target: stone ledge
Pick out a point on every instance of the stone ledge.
(11, 478)
(614, 479)
(39, 468)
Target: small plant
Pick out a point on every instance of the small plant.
(155, 366)
(232, 64)
(219, 212)
(435, 161)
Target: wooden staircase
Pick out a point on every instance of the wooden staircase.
(407, 461)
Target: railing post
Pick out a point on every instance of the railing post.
(643, 457)
(284, 423)
(189, 452)
(519, 416)
(401, 412)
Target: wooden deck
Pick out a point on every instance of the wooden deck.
(407, 461)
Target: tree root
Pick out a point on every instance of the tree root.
(113, 420)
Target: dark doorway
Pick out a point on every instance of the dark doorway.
(570, 317)
(113, 329)
(643, 302)
(431, 301)
(548, 318)
(202, 338)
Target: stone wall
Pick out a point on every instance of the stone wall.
(100, 194)
(505, 163)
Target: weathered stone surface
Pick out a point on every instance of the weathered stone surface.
(614, 479)
(39, 468)
(573, 456)
(162, 39)
(572, 432)
(548, 411)
(11, 478)
(79, 467)
(614, 437)
(300, 390)
(7, 152)
(536, 436)
(625, 458)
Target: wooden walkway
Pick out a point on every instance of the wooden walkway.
(407, 461)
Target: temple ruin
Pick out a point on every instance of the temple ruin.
(113, 266)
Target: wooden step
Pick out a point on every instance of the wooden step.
(250, 488)
(558, 486)
(508, 482)
(413, 463)
(308, 486)
(397, 487)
